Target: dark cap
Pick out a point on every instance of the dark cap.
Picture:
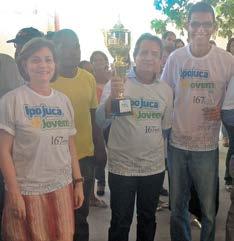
(25, 34)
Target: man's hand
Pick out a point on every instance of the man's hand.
(212, 113)
(78, 195)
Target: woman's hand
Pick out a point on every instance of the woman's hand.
(16, 204)
(78, 195)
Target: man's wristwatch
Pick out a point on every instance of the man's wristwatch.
(78, 180)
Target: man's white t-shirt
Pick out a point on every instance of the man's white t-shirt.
(136, 143)
(41, 126)
(198, 83)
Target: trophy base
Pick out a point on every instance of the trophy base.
(121, 107)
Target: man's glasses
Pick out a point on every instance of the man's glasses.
(205, 25)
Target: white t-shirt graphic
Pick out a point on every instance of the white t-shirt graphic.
(198, 83)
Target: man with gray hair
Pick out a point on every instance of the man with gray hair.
(136, 145)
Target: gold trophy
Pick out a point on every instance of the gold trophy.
(118, 43)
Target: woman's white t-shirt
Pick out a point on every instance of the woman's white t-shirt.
(41, 126)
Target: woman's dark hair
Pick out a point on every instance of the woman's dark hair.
(83, 63)
(29, 49)
(167, 33)
(100, 53)
(229, 44)
(150, 37)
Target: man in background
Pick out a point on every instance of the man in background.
(23, 36)
(80, 87)
(10, 79)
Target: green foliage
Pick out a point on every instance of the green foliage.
(159, 26)
(176, 12)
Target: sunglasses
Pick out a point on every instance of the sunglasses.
(205, 25)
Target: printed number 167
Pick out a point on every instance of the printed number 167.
(57, 140)
(198, 99)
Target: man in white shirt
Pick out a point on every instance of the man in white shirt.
(199, 74)
(136, 145)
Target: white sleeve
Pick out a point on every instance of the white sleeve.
(106, 92)
(7, 113)
(71, 111)
(101, 119)
(167, 115)
(168, 75)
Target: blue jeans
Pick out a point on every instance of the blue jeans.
(201, 169)
(228, 122)
(124, 190)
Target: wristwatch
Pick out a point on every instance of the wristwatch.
(78, 180)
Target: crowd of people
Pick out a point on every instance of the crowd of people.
(58, 131)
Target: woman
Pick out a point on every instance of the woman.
(102, 74)
(101, 70)
(227, 115)
(84, 64)
(37, 152)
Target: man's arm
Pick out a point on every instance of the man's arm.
(168, 72)
(98, 141)
(102, 114)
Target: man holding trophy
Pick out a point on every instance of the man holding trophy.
(139, 108)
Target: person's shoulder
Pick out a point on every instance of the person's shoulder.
(82, 73)
(7, 63)
(19, 91)
(6, 58)
(179, 55)
(60, 95)
(85, 77)
(180, 52)
(221, 52)
(164, 87)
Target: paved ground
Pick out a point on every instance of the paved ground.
(99, 219)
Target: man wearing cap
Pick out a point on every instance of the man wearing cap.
(23, 36)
